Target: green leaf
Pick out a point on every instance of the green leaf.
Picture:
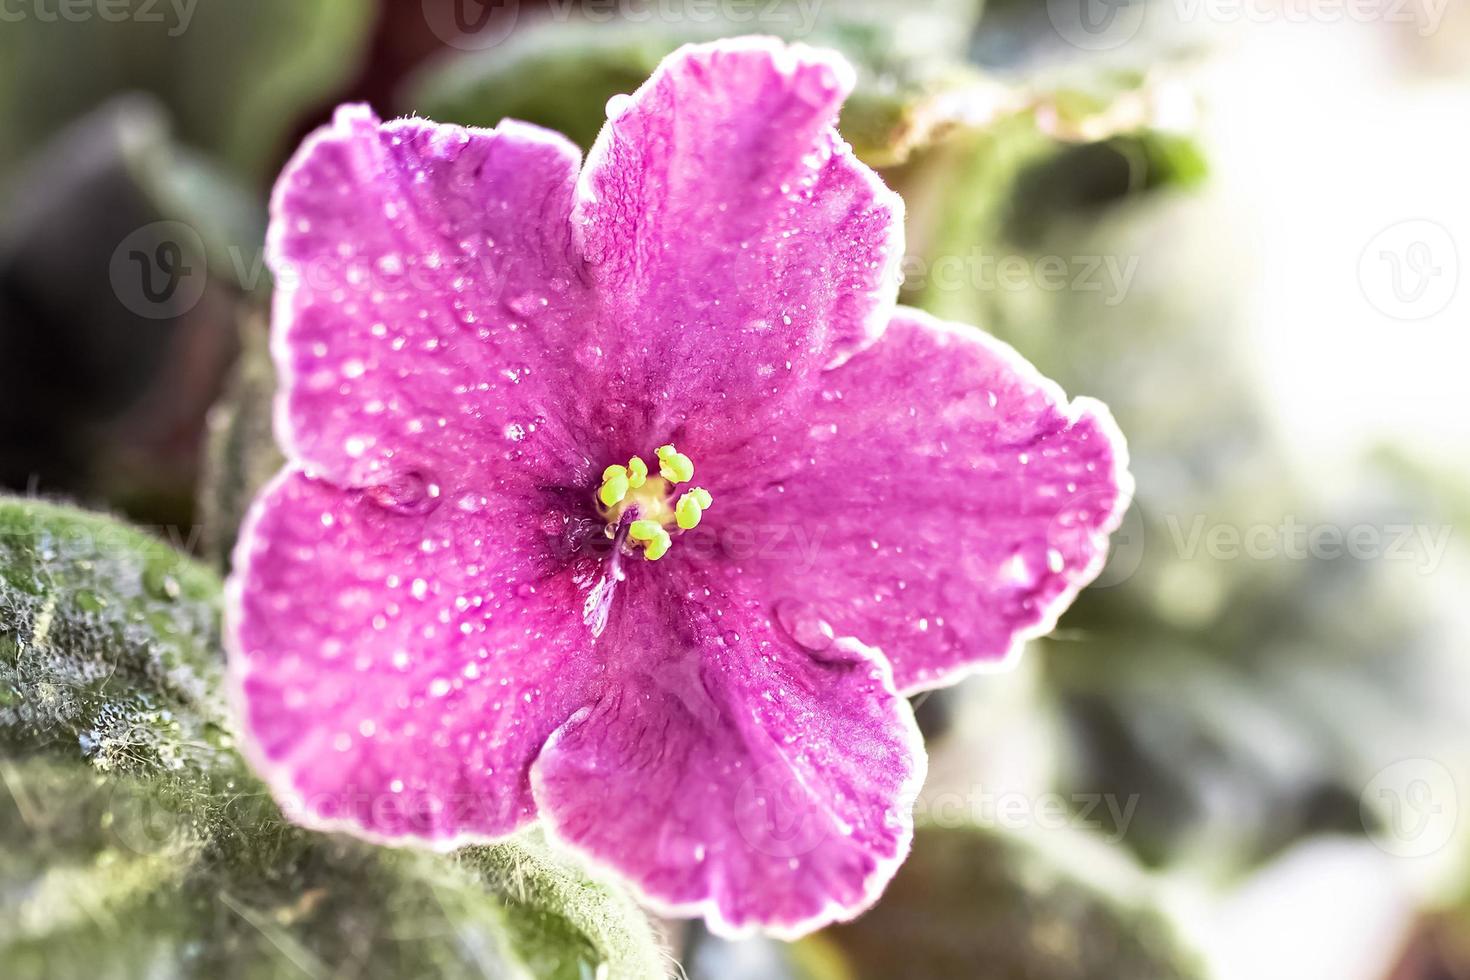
(109, 643)
(976, 903)
(909, 60)
(103, 383)
(236, 76)
(241, 453)
(576, 70)
(134, 842)
(1239, 704)
(100, 878)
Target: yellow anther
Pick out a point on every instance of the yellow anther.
(645, 530)
(658, 547)
(691, 508)
(673, 465)
(614, 486)
(656, 541)
(651, 501)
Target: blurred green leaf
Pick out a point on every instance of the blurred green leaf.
(975, 903)
(1246, 701)
(1242, 705)
(909, 60)
(103, 384)
(972, 902)
(236, 76)
(576, 70)
(241, 453)
(134, 842)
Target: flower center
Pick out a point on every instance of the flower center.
(651, 505)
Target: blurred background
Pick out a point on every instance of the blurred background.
(1241, 223)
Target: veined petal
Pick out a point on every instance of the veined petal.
(737, 245)
(427, 301)
(732, 773)
(940, 500)
(396, 673)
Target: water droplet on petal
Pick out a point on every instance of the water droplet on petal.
(407, 493)
(804, 625)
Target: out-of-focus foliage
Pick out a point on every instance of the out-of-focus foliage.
(915, 89)
(241, 453)
(1247, 701)
(909, 60)
(973, 903)
(235, 76)
(135, 842)
(103, 382)
(132, 220)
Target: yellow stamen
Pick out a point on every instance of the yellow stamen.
(691, 508)
(650, 499)
(614, 486)
(656, 541)
(673, 465)
(645, 530)
(637, 472)
(658, 547)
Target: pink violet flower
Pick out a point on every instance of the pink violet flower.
(475, 598)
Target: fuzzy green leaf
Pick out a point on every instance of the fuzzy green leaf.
(135, 842)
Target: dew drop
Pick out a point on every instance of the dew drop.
(804, 624)
(618, 104)
(408, 493)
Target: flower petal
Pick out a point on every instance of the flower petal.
(395, 674)
(427, 295)
(725, 219)
(732, 773)
(939, 500)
